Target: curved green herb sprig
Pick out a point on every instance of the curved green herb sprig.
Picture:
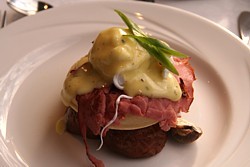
(157, 48)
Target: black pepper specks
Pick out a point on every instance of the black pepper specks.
(123, 41)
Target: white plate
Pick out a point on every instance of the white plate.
(37, 51)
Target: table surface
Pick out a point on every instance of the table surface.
(222, 12)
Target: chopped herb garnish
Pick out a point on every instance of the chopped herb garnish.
(157, 48)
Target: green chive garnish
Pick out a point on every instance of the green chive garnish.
(157, 48)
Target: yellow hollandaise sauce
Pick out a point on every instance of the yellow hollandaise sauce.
(115, 54)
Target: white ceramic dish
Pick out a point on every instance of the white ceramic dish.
(37, 51)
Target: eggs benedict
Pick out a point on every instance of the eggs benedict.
(128, 90)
